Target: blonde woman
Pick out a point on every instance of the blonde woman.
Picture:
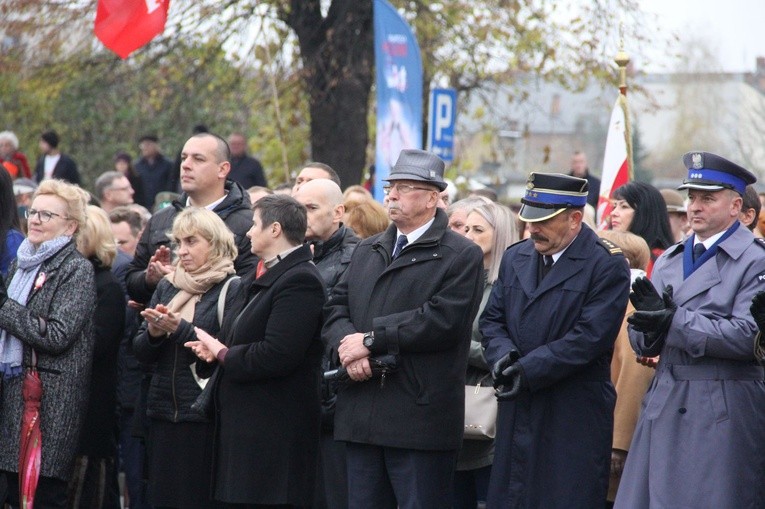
(47, 307)
(493, 228)
(95, 479)
(179, 445)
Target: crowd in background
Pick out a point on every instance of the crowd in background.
(127, 297)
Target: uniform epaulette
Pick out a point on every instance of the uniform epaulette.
(610, 246)
(760, 242)
(516, 242)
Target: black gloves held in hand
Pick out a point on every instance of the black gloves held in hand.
(758, 310)
(654, 312)
(3, 291)
(501, 365)
(516, 382)
(645, 297)
(509, 379)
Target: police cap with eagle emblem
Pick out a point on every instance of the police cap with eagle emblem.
(549, 194)
(710, 172)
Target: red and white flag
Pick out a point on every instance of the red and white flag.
(616, 165)
(126, 25)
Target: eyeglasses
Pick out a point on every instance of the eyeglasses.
(43, 215)
(404, 188)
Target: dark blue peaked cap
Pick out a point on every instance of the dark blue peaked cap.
(549, 194)
(710, 172)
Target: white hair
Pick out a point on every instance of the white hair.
(8, 135)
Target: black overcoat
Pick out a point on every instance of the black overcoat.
(420, 306)
(267, 393)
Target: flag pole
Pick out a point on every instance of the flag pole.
(622, 59)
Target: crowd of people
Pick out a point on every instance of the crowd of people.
(225, 344)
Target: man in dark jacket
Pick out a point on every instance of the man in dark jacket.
(410, 292)
(53, 163)
(155, 170)
(244, 169)
(548, 329)
(580, 170)
(203, 180)
(333, 244)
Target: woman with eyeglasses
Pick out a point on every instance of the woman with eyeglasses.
(46, 318)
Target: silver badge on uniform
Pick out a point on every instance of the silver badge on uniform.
(697, 160)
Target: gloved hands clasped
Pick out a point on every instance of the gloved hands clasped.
(509, 378)
(654, 312)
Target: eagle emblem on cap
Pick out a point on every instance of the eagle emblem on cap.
(697, 160)
(432, 174)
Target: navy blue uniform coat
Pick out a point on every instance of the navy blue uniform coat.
(553, 443)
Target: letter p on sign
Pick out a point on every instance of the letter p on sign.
(443, 114)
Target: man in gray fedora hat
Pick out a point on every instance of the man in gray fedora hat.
(409, 295)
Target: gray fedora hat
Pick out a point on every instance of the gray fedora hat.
(420, 166)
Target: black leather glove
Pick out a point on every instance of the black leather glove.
(645, 297)
(3, 291)
(516, 382)
(501, 365)
(655, 322)
(758, 310)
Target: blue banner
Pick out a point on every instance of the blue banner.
(399, 90)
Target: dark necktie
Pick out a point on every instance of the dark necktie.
(548, 263)
(698, 250)
(400, 243)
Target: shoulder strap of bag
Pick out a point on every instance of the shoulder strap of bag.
(222, 299)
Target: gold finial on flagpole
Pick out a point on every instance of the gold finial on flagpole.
(622, 59)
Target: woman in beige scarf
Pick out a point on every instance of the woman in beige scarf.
(179, 439)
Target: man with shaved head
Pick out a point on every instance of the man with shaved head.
(333, 243)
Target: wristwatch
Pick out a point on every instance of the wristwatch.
(369, 339)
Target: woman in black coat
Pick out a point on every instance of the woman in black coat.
(179, 445)
(267, 388)
(95, 477)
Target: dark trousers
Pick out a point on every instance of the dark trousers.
(132, 461)
(94, 484)
(471, 487)
(387, 477)
(50, 494)
(331, 482)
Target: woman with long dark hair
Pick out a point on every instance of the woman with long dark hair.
(10, 229)
(640, 209)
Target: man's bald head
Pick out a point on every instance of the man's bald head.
(323, 200)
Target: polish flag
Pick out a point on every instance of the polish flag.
(126, 25)
(616, 165)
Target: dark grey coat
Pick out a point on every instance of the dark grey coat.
(422, 306)
(66, 302)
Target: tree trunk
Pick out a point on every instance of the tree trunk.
(338, 61)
